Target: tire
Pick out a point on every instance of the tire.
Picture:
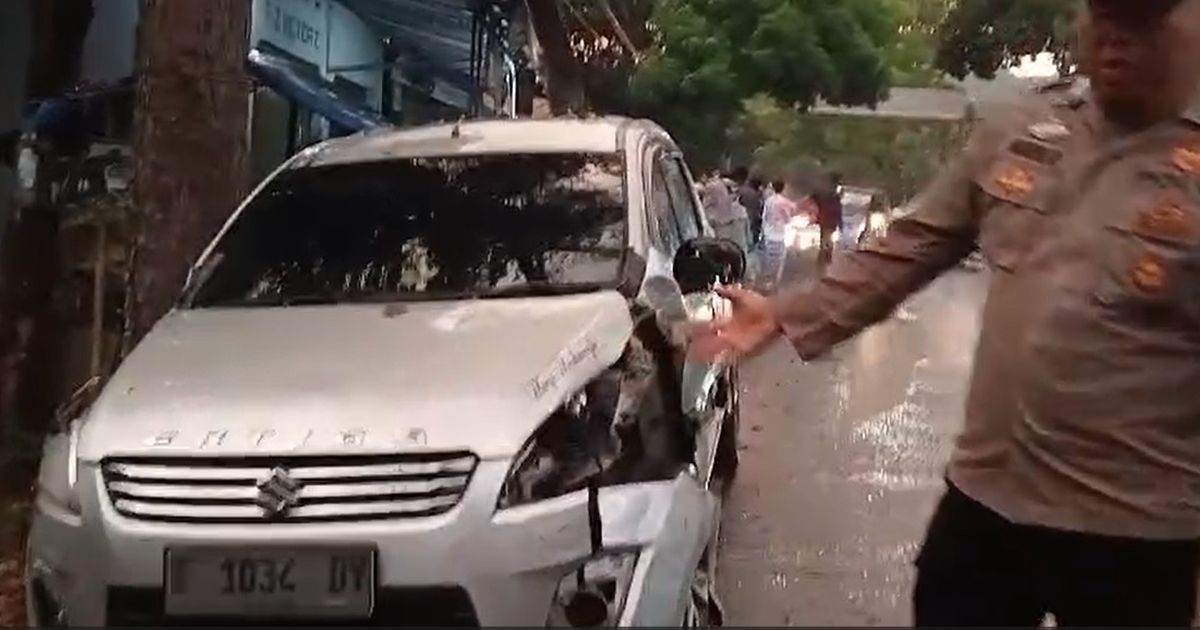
(703, 610)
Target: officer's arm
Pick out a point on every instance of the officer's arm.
(862, 288)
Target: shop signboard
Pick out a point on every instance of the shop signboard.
(299, 27)
(323, 33)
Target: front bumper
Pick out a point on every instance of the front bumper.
(473, 565)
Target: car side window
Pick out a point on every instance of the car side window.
(683, 202)
(661, 208)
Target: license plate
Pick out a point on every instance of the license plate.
(327, 582)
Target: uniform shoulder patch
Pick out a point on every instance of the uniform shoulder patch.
(1149, 274)
(1015, 180)
(1186, 158)
(1170, 219)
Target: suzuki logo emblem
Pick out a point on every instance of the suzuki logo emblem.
(278, 492)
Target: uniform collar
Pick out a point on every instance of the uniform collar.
(1083, 90)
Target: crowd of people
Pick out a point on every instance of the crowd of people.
(754, 214)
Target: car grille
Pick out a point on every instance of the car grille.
(432, 606)
(226, 490)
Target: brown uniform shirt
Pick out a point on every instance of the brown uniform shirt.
(1084, 406)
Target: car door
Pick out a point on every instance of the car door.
(701, 380)
(659, 290)
(665, 237)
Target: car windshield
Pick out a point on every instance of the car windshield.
(424, 228)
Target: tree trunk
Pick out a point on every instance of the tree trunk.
(634, 16)
(15, 43)
(190, 141)
(564, 83)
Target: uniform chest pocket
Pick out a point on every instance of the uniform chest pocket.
(1013, 211)
(1151, 257)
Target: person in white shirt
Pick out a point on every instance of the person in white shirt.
(778, 209)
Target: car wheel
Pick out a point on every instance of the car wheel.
(728, 456)
(702, 610)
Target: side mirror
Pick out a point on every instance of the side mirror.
(703, 262)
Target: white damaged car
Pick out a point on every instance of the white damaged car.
(421, 377)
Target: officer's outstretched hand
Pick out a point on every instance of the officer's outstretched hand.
(742, 334)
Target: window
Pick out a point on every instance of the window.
(309, 128)
(661, 209)
(425, 228)
(683, 201)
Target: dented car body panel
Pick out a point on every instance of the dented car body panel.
(239, 382)
(499, 449)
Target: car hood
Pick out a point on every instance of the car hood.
(475, 375)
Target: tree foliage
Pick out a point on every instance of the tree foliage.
(898, 156)
(984, 36)
(911, 55)
(712, 54)
(689, 64)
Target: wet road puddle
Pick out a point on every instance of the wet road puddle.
(842, 465)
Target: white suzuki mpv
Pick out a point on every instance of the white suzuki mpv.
(430, 376)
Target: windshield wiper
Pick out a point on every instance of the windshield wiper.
(332, 297)
(313, 299)
(266, 302)
(309, 299)
(321, 298)
(540, 289)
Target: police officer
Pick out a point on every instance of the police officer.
(1074, 488)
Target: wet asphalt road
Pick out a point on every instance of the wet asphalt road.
(842, 463)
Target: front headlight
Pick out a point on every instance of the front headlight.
(876, 221)
(577, 443)
(58, 474)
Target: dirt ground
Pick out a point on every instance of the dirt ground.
(15, 483)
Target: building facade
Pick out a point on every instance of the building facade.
(323, 68)
(328, 67)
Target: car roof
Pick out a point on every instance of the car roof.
(480, 137)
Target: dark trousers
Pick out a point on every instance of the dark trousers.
(978, 569)
(825, 253)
